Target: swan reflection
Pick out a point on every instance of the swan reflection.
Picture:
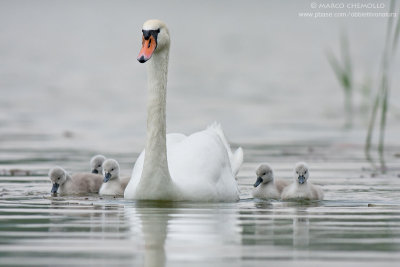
(167, 229)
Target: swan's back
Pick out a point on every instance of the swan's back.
(82, 183)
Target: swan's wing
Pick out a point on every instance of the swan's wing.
(236, 158)
(317, 191)
(200, 166)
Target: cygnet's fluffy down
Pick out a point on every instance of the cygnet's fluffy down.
(112, 183)
(301, 189)
(266, 187)
(79, 183)
(96, 163)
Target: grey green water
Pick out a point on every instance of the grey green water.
(357, 224)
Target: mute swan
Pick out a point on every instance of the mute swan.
(96, 164)
(78, 183)
(112, 183)
(199, 167)
(300, 188)
(266, 187)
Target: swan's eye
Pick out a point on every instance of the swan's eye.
(112, 169)
(305, 172)
(264, 173)
(59, 178)
(98, 165)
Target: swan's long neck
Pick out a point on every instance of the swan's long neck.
(155, 175)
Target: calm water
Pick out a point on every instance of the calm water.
(70, 87)
(357, 224)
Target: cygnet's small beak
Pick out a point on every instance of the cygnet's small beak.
(258, 182)
(95, 171)
(55, 188)
(107, 177)
(148, 47)
(302, 179)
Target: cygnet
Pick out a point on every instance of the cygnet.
(266, 187)
(79, 183)
(301, 189)
(112, 183)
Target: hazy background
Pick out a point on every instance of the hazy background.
(69, 74)
(71, 87)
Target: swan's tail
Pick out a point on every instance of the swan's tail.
(236, 159)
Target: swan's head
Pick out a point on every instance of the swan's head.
(96, 162)
(110, 170)
(155, 39)
(58, 176)
(301, 172)
(264, 174)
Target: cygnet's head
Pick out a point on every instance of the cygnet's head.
(154, 40)
(264, 174)
(58, 176)
(110, 170)
(301, 172)
(95, 164)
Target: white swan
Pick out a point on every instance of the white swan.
(199, 167)
(266, 187)
(302, 189)
(78, 183)
(112, 183)
(96, 163)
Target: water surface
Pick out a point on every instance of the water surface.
(357, 224)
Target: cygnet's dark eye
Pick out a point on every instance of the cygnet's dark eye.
(98, 165)
(264, 173)
(59, 178)
(112, 169)
(305, 172)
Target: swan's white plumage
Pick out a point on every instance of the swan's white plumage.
(199, 167)
(236, 159)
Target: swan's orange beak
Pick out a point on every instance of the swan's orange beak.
(148, 47)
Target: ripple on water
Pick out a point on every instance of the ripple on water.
(357, 223)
